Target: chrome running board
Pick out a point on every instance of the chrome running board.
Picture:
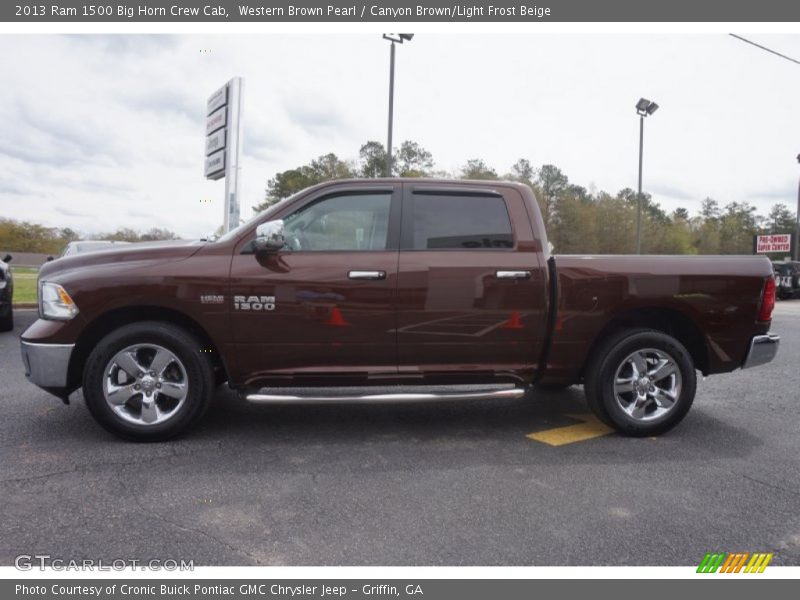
(353, 397)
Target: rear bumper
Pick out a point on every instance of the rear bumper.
(46, 365)
(763, 349)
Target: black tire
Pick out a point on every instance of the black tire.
(198, 375)
(7, 320)
(610, 357)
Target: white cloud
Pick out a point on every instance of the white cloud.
(100, 132)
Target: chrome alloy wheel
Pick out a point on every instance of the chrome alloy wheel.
(647, 384)
(145, 384)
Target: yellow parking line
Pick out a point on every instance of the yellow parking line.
(588, 429)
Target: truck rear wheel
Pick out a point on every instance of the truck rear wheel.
(641, 382)
(147, 381)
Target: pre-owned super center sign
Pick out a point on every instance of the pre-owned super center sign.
(773, 243)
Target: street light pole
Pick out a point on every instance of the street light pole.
(391, 111)
(644, 108)
(394, 38)
(639, 192)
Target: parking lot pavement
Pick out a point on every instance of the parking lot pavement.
(440, 484)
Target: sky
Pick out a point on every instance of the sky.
(102, 132)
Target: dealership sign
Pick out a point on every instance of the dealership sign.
(215, 142)
(216, 120)
(215, 165)
(223, 142)
(217, 99)
(216, 124)
(773, 243)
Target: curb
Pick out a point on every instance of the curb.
(25, 305)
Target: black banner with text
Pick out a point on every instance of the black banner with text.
(352, 589)
(349, 11)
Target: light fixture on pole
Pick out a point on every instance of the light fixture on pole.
(644, 108)
(394, 38)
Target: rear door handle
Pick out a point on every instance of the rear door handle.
(513, 274)
(367, 275)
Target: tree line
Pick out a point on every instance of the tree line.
(579, 221)
(24, 236)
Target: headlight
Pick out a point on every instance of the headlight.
(55, 303)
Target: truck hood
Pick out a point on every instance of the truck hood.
(168, 250)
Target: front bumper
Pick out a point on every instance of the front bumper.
(763, 349)
(46, 365)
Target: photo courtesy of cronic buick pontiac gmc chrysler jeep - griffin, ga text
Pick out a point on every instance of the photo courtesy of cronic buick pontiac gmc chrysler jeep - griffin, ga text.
(391, 290)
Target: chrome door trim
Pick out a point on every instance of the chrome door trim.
(366, 275)
(513, 274)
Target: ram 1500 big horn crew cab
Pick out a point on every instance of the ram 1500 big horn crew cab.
(351, 285)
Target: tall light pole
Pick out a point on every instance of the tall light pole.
(394, 38)
(644, 108)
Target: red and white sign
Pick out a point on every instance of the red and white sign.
(773, 243)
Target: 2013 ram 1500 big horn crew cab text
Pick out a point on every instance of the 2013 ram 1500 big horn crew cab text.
(350, 286)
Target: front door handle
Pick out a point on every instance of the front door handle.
(367, 275)
(513, 274)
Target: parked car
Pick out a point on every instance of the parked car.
(414, 283)
(88, 246)
(787, 276)
(6, 295)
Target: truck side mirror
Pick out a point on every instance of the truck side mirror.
(269, 236)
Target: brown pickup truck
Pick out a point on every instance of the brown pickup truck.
(391, 290)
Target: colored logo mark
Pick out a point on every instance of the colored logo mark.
(734, 562)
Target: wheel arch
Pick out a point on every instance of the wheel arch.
(666, 320)
(98, 328)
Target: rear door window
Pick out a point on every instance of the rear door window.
(456, 222)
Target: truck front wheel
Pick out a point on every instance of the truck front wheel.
(147, 381)
(641, 382)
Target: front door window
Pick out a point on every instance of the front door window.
(349, 222)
